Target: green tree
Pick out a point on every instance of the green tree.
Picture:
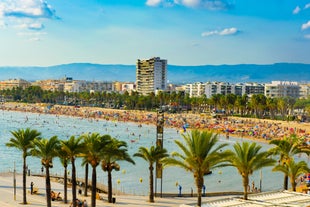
(201, 153)
(23, 140)
(115, 151)
(74, 148)
(152, 155)
(293, 170)
(287, 148)
(46, 149)
(248, 158)
(95, 146)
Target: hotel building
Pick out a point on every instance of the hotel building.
(151, 75)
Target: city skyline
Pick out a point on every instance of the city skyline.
(185, 32)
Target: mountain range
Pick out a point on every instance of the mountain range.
(176, 74)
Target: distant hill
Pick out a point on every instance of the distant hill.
(176, 74)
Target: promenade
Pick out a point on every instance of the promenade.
(37, 200)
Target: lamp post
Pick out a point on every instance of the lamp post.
(260, 180)
(14, 181)
(159, 143)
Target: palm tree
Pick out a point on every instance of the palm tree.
(200, 154)
(46, 149)
(86, 164)
(115, 151)
(95, 145)
(248, 158)
(286, 149)
(293, 170)
(74, 148)
(152, 155)
(64, 159)
(23, 140)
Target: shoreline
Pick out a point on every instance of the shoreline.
(260, 130)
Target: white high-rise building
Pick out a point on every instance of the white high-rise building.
(151, 75)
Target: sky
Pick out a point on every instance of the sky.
(185, 32)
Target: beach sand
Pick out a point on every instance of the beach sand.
(262, 130)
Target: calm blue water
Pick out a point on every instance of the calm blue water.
(128, 178)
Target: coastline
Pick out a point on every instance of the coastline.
(142, 117)
(260, 130)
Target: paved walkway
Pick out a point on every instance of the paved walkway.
(7, 195)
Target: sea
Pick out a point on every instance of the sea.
(130, 179)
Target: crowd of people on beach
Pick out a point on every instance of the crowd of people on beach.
(239, 127)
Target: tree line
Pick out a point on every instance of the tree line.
(258, 105)
(199, 153)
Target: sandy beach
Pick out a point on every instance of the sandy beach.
(261, 130)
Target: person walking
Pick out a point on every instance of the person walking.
(31, 188)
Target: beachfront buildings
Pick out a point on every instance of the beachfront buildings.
(304, 91)
(14, 83)
(278, 89)
(212, 88)
(151, 75)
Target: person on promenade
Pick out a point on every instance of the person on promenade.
(31, 188)
(85, 203)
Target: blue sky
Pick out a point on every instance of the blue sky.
(185, 32)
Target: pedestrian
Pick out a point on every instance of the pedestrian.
(31, 188)
(85, 203)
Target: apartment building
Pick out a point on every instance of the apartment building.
(249, 89)
(277, 89)
(50, 85)
(151, 75)
(304, 91)
(195, 89)
(14, 83)
(212, 88)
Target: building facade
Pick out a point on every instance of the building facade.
(14, 83)
(151, 75)
(278, 89)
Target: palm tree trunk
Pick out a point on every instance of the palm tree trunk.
(293, 183)
(245, 180)
(48, 187)
(24, 180)
(93, 187)
(86, 179)
(65, 185)
(73, 184)
(285, 182)
(199, 183)
(151, 196)
(109, 185)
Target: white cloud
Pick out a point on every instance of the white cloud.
(36, 26)
(305, 26)
(307, 36)
(207, 4)
(307, 6)
(25, 15)
(190, 3)
(227, 31)
(296, 10)
(153, 2)
(209, 33)
(27, 9)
